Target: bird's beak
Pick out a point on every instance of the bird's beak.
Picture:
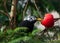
(39, 19)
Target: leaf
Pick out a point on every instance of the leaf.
(18, 40)
(35, 31)
(21, 29)
(9, 31)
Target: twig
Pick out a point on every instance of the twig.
(56, 19)
(1, 11)
(38, 9)
(5, 6)
(25, 8)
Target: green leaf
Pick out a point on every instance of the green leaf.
(9, 31)
(21, 29)
(35, 31)
(17, 40)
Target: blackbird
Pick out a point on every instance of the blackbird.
(29, 22)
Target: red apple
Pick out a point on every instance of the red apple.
(48, 20)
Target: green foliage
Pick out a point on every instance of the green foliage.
(48, 5)
(18, 35)
(4, 19)
(20, 29)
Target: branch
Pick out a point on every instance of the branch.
(1, 11)
(13, 14)
(25, 8)
(13, 8)
(56, 19)
(38, 9)
(5, 6)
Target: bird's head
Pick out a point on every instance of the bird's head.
(32, 18)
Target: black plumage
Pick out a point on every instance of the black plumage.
(28, 24)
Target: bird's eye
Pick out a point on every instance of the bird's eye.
(30, 18)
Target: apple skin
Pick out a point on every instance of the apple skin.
(48, 20)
